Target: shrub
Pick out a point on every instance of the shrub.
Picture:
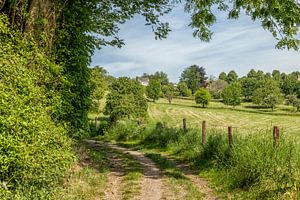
(34, 148)
(125, 131)
(203, 97)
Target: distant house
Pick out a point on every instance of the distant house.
(143, 80)
(299, 77)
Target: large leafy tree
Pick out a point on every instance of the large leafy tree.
(268, 94)
(248, 86)
(232, 94)
(126, 100)
(288, 84)
(160, 77)
(153, 90)
(223, 76)
(194, 76)
(231, 77)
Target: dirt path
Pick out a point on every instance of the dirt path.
(197, 180)
(114, 177)
(153, 186)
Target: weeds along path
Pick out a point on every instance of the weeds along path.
(125, 176)
(151, 184)
(162, 177)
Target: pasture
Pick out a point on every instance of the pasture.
(245, 120)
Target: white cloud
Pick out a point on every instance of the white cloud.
(239, 45)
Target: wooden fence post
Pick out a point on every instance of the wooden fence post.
(184, 124)
(276, 135)
(230, 141)
(203, 132)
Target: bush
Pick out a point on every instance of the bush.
(125, 131)
(161, 135)
(34, 148)
(202, 97)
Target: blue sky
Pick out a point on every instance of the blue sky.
(238, 45)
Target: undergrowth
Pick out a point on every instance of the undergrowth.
(253, 168)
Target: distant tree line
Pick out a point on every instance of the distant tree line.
(266, 90)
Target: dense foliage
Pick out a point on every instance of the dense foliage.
(99, 81)
(202, 97)
(194, 77)
(232, 94)
(183, 89)
(34, 148)
(126, 100)
(267, 94)
(153, 90)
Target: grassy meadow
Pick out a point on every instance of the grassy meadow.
(245, 118)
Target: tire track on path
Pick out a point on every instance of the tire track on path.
(151, 187)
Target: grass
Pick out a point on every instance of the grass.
(88, 179)
(244, 120)
(175, 178)
(252, 169)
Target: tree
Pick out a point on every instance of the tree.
(231, 77)
(267, 94)
(258, 75)
(183, 89)
(288, 84)
(161, 77)
(202, 96)
(126, 100)
(223, 76)
(292, 100)
(297, 89)
(168, 91)
(99, 85)
(248, 86)
(276, 75)
(232, 94)
(216, 88)
(194, 77)
(153, 90)
(281, 18)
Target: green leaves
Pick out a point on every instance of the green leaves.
(126, 99)
(268, 94)
(232, 94)
(34, 149)
(202, 97)
(280, 17)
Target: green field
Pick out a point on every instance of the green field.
(218, 116)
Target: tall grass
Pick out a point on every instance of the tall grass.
(252, 165)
